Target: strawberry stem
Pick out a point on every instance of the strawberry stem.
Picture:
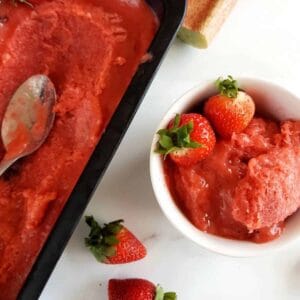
(161, 295)
(227, 87)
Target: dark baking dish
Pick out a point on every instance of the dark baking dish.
(170, 14)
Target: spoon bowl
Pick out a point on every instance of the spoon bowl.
(28, 119)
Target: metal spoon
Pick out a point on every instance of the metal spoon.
(28, 119)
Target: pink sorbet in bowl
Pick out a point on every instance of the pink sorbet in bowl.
(247, 187)
(244, 198)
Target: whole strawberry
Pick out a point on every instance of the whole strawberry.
(113, 243)
(231, 110)
(188, 139)
(137, 289)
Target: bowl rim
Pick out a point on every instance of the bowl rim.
(217, 244)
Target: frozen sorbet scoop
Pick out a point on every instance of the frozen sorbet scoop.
(269, 192)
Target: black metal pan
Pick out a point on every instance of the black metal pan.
(170, 14)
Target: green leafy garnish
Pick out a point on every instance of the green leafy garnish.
(176, 138)
(102, 240)
(227, 87)
(161, 295)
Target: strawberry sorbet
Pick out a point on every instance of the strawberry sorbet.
(90, 49)
(247, 187)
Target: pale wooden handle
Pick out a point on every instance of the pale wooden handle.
(203, 20)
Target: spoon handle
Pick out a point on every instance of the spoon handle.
(5, 164)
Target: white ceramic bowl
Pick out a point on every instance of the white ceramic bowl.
(269, 98)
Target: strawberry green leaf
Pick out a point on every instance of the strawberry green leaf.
(227, 87)
(183, 136)
(112, 227)
(177, 121)
(162, 131)
(160, 151)
(111, 240)
(176, 138)
(170, 296)
(161, 295)
(166, 142)
(95, 233)
(190, 126)
(196, 145)
(98, 253)
(109, 251)
(102, 240)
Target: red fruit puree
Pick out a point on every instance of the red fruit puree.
(90, 49)
(247, 187)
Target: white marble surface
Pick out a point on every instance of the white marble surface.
(261, 39)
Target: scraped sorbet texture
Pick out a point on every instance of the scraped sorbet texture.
(90, 50)
(247, 187)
